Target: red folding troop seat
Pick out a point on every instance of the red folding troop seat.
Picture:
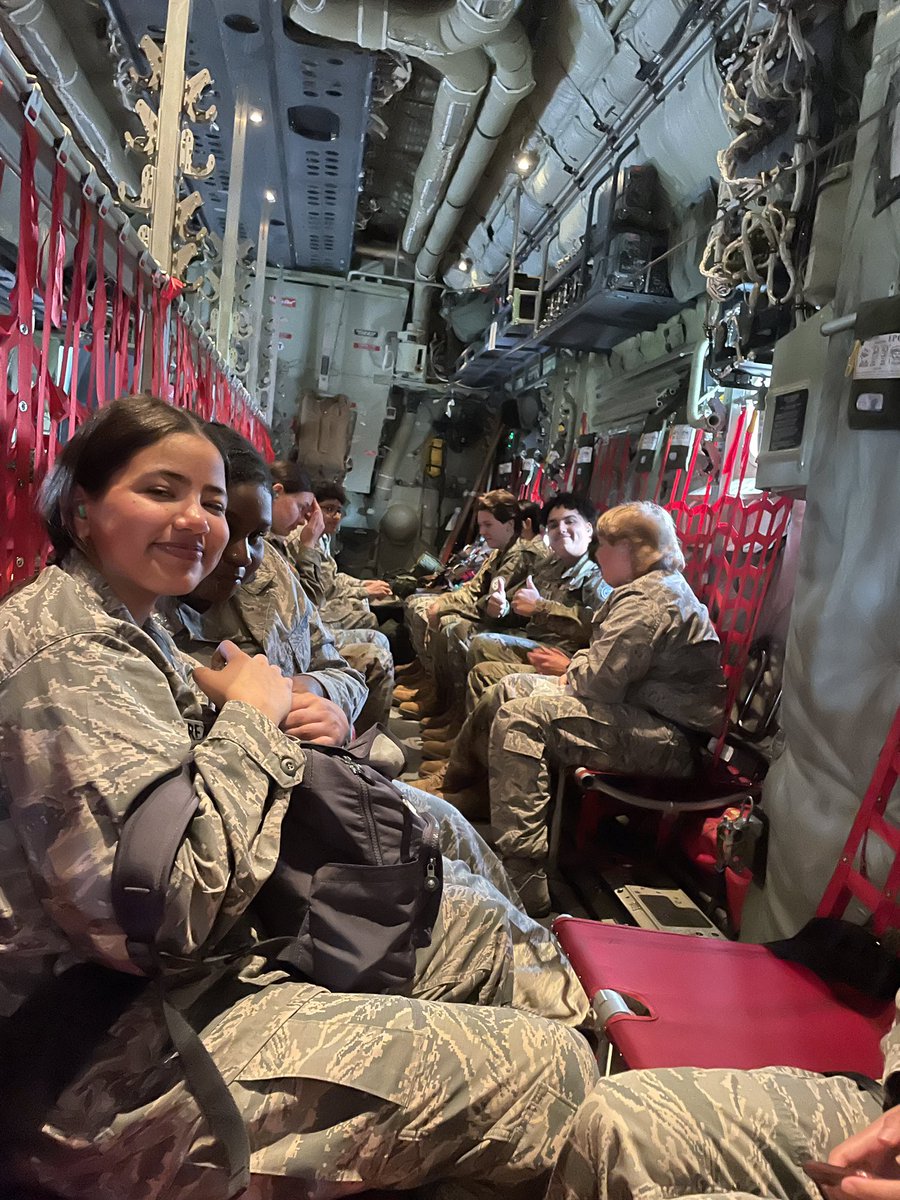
(675, 1000)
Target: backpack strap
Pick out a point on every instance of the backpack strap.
(145, 858)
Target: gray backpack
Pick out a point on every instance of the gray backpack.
(357, 887)
(358, 883)
(356, 890)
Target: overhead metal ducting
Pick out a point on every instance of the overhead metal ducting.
(466, 43)
(449, 42)
(577, 119)
(308, 147)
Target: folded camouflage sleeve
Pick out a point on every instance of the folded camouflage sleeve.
(307, 563)
(340, 682)
(620, 653)
(86, 726)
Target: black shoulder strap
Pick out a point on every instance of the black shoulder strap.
(145, 858)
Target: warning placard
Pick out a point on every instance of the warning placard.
(879, 358)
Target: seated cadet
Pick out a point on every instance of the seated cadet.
(294, 511)
(252, 598)
(553, 609)
(454, 617)
(297, 526)
(636, 700)
(97, 706)
(345, 601)
(689, 1132)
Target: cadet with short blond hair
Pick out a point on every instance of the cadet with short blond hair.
(635, 700)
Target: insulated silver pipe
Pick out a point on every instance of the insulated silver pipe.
(512, 80)
(447, 41)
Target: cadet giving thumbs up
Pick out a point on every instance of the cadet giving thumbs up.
(253, 680)
(525, 601)
(497, 603)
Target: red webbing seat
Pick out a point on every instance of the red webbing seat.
(717, 1004)
(720, 1004)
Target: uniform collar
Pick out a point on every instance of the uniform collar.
(87, 577)
(86, 574)
(218, 622)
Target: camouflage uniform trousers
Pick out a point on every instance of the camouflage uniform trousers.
(439, 644)
(452, 655)
(543, 979)
(551, 730)
(387, 1091)
(415, 610)
(342, 1091)
(493, 656)
(369, 652)
(469, 756)
(684, 1132)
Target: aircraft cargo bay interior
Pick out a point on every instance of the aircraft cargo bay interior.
(449, 598)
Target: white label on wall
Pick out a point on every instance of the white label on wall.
(870, 402)
(649, 441)
(879, 358)
(682, 435)
(585, 454)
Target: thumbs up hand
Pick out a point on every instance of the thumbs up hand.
(524, 602)
(497, 603)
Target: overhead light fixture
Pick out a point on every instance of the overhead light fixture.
(464, 265)
(270, 196)
(256, 116)
(525, 162)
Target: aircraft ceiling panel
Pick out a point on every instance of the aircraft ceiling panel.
(308, 147)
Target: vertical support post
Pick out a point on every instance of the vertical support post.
(232, 221)
(517, 212)
(258, 300)
(539, 299)
(269, 406)
(171, 98)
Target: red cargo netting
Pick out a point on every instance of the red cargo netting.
(113, 307)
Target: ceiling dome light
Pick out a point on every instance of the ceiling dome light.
(525, 162)
(464, 265)
(256, 116)
(270, 196)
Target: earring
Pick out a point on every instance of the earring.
(81, 511)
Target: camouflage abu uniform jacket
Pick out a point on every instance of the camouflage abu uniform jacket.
(517, 561)
(570, 595)
(655, 647)
(270, 615)
(93, 710)
(342, 600)
(306, 561)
